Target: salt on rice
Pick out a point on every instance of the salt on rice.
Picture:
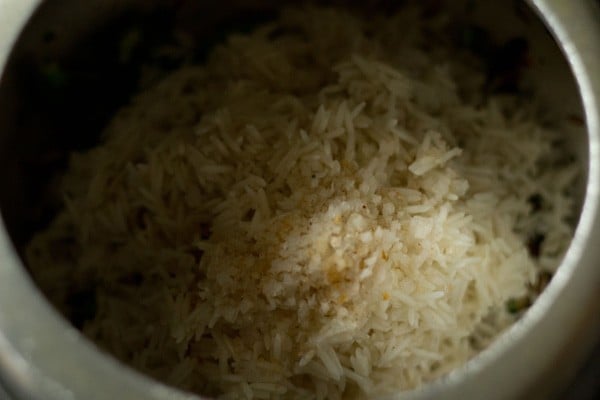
(320, 211)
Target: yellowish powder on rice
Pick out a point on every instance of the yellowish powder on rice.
(326, 209)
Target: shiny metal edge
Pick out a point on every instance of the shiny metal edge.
(19, 351)
(13, 16)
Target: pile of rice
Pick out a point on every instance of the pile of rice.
(327, 208)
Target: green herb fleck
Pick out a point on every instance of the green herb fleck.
(128, 44)
(514, 306)
(55, 75)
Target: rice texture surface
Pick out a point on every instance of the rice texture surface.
(328, 208)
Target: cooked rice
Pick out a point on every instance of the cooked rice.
(326, 209)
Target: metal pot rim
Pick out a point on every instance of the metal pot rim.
(33, 336)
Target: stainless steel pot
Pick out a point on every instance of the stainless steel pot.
(43, 357)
